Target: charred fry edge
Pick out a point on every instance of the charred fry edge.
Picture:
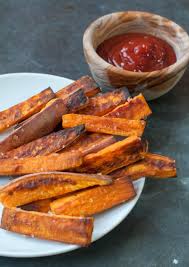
(86, 83)
(42, 205)
(105, 102)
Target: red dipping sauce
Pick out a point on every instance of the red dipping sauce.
(138, 52)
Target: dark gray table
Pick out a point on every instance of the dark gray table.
(46, 36)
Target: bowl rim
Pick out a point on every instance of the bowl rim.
(179, 65)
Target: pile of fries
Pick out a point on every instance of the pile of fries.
(79, 151)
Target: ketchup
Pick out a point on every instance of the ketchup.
(138, 52)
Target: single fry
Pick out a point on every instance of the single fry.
(153, 166)
(42, 205)
(113, 157)
(86, 83)
(33, 187)
(74, 230)
(103, 103)
(43, 122)
(134, 109)
(25, 109)
(46, 145)
(91, 143)
(115, 126)
(52, 162)
(94, 200)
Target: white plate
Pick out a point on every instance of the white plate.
(13, 89)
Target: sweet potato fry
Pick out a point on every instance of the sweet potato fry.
(29, 188)
(38, 125)
(52, 162)
(134, 109)
(91, 143)
(115, 126)
(43, 122)
(42, 205)
(94, 200)
(153, 166)
(25, 109)
(86, 83)
(48, 144)
(103, 103)
(86, 143)
(74, 230)
(113, 157)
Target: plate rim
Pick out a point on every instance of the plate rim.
(72, 247)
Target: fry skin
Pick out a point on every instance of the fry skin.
(35, 127)
(113, 157)
(86, 83)
(115, 126)
(43, 122)
(91, 143)
(103, 103)
(75, 101)
(74, 230)
(42, 205)
(94, 200)
(25, 109)
(134, 109)
(52, 162)
(46, 145)
(33, 187)
(152, 166)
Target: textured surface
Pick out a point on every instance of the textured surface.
(46, 36)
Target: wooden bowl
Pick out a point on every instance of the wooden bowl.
(151, 84)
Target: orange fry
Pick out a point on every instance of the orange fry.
(115, 126)
(113, 157)
(94, 200)
(153, 166)
(134, 109)
(74, 230)
(52, 162)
